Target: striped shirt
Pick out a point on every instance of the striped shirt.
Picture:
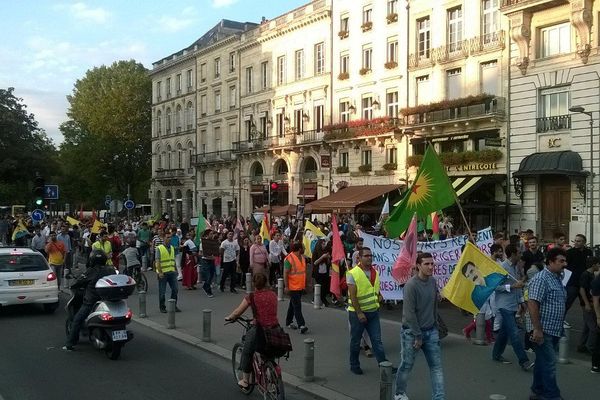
(546, 288)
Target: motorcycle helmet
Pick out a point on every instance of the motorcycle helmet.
(97, 257)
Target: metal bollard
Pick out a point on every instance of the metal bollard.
(171, 314)
(563, 347)
(142, 298)
(317, 299)
(248, 282)
(309, 360)
(480, 330)
(386, 380)
(280, 289)
(206, 325)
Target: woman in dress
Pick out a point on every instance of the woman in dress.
(259, 256)
(189, 272)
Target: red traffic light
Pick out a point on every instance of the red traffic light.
(274, 185)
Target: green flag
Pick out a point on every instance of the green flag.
(430, 191)
(201, 227)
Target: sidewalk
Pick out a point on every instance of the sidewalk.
(468, 369)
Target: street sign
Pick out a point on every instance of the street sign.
(115, 206)
(129, 204)
(107, 203)
(51, 192)
(493, 142)
(37, 215)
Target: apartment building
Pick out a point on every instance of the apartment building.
(554, 103)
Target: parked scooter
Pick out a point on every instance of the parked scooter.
(106, 324)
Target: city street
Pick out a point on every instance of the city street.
(152, 366)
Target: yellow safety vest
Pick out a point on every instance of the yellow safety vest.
(106, 248)
(167, 258)
(366, 294)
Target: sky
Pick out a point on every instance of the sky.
(48, 45)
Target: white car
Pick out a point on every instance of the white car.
(26, 278)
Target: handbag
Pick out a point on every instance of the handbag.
(277, 341)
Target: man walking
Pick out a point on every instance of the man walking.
(420, 330)
(509, 299)
(294, 278)
(547, 300)
(64, 237)
(230, 254)
(363, 308)
(56, 256)
(577, 263)
(165, 268)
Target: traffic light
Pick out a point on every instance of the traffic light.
(273, 186)
(38, 191)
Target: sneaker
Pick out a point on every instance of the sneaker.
(292, 326)
(368, 352)
(566, 325)
(401, 396)
(177, 309)
(595, 370)
(356, 370)
(303, 329)
(502, 360)
(233, 291)
(71, 348)
(527, 365)
(163, 310)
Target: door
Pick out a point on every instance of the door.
(555, 206)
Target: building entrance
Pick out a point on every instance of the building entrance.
(555, 205)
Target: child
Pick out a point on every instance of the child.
(489, 315)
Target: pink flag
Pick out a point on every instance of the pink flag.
(238, 228)
(402, 269)
(337, 254)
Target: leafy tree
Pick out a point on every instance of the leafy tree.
(25, 150)
(107, 142)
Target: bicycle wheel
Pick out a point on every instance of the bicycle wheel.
(236, 357)
(273, 382)
(141, 282)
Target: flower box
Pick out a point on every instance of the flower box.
(447, 104)
(460, 158)
(365, 168)
(391, 18)
(364, 71)
(384, 172)
(390, 65)
(390, 166)
(343, 34)
(342, 169)
(343, 76)
(367, 26)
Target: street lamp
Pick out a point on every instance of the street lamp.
(581, 110)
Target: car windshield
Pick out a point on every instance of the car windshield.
(22, 262)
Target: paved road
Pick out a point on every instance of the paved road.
(33, 366)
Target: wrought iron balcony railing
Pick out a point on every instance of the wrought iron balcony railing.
(169, 173)
(215, 157)
(557, 123)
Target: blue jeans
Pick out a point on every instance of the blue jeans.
(170, 278)
(509, 331)
(207, 271)
(544, 372)
(433, 354)
(357, 328)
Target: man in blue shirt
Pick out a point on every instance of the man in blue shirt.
(547, 300)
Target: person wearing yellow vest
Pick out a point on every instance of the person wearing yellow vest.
(164, 257)
(294, 278)
(104, 244)
(363, 308)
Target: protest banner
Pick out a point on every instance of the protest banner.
(446, 254)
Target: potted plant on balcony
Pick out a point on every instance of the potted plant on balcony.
(365, 168)
(393, 17)
(343, 76)
(390, 65)
(364, 71)
(390, 166)
(414, 160)
(342, 169)
(367, 26)
(343, 34)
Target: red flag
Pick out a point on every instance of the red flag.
(238, 228)
(94, 216)
(435, 225)
(337, 254)
(401, 271)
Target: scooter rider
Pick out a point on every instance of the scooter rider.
(96, 269)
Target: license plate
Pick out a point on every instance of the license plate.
(119, 335)
(20, 282)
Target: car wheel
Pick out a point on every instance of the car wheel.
(50, 307)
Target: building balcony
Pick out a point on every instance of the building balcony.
(510, 6)
(289, 139)
(557, 123)
(169, 174)
(215, 157)
(361, 128)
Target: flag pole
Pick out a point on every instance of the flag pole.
(463, 215)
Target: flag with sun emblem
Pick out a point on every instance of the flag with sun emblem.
(430, 191)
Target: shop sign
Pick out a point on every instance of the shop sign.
(493, 142)
(472, 167)
(325, 161)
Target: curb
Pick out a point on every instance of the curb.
(310, 388)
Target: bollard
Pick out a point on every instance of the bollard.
(317, 299)
(171, 304)
(309, 360)
(480, 330)
(563, 347)
(280, 289)
(248, 282)
(206, 321)
(142, 298)
(386, 380)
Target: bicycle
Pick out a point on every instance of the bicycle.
(141, 283)
(266, 372)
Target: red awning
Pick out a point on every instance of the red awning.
(308, 193)
(351, 199)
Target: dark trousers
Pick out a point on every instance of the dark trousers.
(596, 352)
(77, 322)
(207, 271)
(295, 308)
(572, 294)
(228, 271)
(171, 279)
(274, 273)
(323, 280)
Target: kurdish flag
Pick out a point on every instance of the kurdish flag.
(430, 191)
(337, 254)
(20, 231)
(72, 221)
(264, 230)
(97, 227)
(473, 280)
(311, 235)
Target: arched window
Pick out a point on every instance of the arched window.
(190, 147)
(168, 122)
(179, 156)
(158, 158)
(169, 155)
(178, 118)
(158, 123)
(190, 115)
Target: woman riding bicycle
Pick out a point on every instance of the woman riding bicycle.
(264, 305)
(131, 258)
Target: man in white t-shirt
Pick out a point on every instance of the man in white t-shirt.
(230, 255)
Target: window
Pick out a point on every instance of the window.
(248, 128)
(159, 122)
(489, 77)
(454, 83)
(344, 63)
(299, 67)
(217, 178)
(367, 107)
(190, 84)
(203, 105)
(556, 40)
(392, 50)
(455, 29)
(344, 159)
(419, 148)
(319, 118)
(298, 122)
(168, 120)
(480, 143)
(178, 83)
(217, 67)
(344, 111)
(491, 20)
(366, 157)
(217, 102)
(344, 20)
(280, 123)
(249, 80)
(178, 118)
(189, 111)
(203, 178)
(262, 124)
(319, 58)
(168, 88)
(232, 61)
(232, 97)
(190, 155)
(179, 157)
(281, 70)
(367, 58)
(554, 102)
(391, 155)
(264, 74)
(203, 72)
(423, 37)
(392, 104)
(453, 146)
(218, 138)
(392, 7)
(423, 90)
(367, 14)
(169, 157)
(158, 95)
